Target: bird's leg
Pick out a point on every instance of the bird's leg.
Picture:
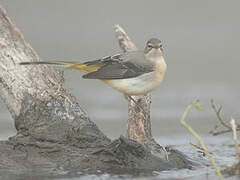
(137, 104)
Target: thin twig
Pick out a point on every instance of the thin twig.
(206, 151)
(218, 115)
(198, 147)
(235, 139)
(227, 127)
(215, 133)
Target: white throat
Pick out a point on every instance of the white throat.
(154, 54)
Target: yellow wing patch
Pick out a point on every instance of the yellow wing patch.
(84, 68)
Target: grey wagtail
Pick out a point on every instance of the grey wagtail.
(132, 73)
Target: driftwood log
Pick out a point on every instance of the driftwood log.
(54, 134)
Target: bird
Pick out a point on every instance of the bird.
(132, 73)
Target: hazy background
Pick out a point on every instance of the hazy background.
(201, 47)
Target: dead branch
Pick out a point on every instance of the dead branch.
(204, 147)
(226, 126)
(199, 148)
(218, 114)
(235, 139)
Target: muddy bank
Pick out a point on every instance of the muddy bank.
(121, 156)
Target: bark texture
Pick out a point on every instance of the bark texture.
(34, 95)
(55, 136)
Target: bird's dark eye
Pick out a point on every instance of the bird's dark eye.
(160, 46)
(150, 46)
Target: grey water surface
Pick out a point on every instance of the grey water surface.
(201, 48)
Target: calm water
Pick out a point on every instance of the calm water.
(201, 46)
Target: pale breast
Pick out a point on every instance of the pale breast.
(160, 68)
(141, 84)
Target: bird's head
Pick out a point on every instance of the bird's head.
(154, 47)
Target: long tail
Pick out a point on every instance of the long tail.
(64, 63)
(81, 66)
